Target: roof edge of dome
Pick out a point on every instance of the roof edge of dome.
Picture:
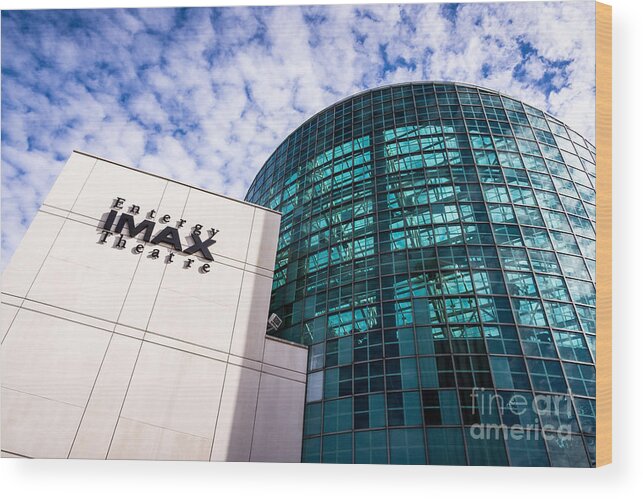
(405, 84)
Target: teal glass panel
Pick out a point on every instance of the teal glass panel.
(572, 346)
(486, 446)
(502, 339)
(552, 287)
(567, 451)
(562, 315)
(537, 342)
(337, 448)
(407, 446)
(446, 446)
(581, 379)
(311, 450)
(586, 410)
(371, 447)
(509, 372)
(546, 376)
(527, 448)
(338, 415)
(529, 312)
(312, 419)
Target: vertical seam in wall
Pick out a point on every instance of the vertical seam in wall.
(140, 347)
(245, 258)
(254, 419)
(49, 250)
(18, 307)
(111, 336)
(234, 323)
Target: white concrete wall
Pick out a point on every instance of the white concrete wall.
(110, 354)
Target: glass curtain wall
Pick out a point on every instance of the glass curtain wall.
(437, 254)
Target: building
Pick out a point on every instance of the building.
(433, 298)
(437, 254)
(134, 316)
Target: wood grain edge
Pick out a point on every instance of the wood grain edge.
(604, 234)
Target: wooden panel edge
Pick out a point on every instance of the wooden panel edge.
(604, 234)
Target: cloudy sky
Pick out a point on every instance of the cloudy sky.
(204, 95)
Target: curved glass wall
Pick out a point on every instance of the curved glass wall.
(437, 253)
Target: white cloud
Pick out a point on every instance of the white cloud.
(205, 95)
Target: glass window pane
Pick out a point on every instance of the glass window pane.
(407, 446)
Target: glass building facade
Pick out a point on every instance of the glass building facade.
(437, 254)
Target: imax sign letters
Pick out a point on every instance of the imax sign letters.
(158, 231)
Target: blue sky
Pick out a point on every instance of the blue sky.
(204, 95)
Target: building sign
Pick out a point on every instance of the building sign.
(159, 230)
